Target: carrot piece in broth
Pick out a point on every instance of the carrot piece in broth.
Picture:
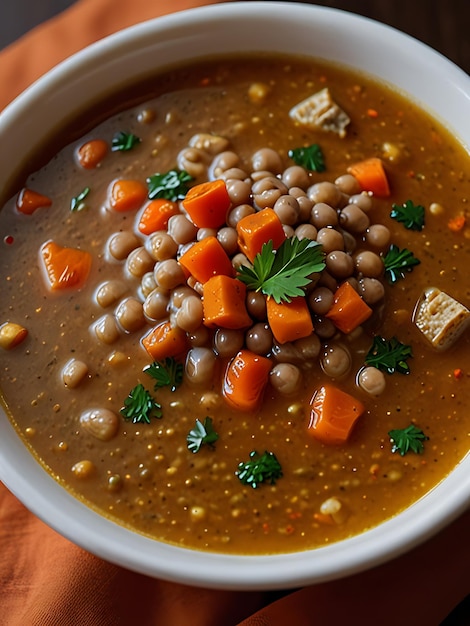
(165, 340)
(207, 204)
(65, 267)
(127, 195)
(224, 303)
(289, 320)
(245, 379)
(205, 259)
(255, 230)
(371, 176)
(29, 201)
(333, 415)
(156, 214)
(91, 153)
(348, 310)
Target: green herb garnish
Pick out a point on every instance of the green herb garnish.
(202, 433)
(397, 262)
(406, 439)
(123, 142)
(167, 373)
(310, 157)
(409, 214)
(282, 273)
(77, 203)
(389, 356)
(171, 186)
(259, 469)
(139, 406)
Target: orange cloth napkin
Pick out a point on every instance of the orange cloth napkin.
(47, 581)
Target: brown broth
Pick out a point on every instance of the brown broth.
(196, 500)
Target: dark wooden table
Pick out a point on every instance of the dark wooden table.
(443, 24)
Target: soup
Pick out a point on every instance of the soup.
(159, 367)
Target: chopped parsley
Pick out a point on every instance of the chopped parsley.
(140, 406)
(283, 273)
(78, 202)
(202, 433)
(123, 142)
(389, 356)
(173, 185)
(398, 262)
(264, 468)
(407, 439)
(167, 373)
(409, 214)
(310, 157)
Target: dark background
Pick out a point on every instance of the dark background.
(442, 24)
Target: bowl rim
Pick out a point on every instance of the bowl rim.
(65, 514)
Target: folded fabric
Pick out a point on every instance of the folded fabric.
(45, 580)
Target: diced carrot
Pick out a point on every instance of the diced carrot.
(207, 204)
(156, 214)
(224, 303)
(65, 267)
(91, 153)
(456, 224)
(289, 320)
(261, 227)
(245, 380)
(371, 176)
(333, 415)
(206, 258)
(127, 195)
(348, 310)
(29, 201)
(165, 340)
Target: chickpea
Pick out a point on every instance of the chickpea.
(336, 360)
(181, 229)
(259, 339)
(228, 238)
(378, 236)
(285, 378)
(156, 304)
(200, 364)
(267, 159)
(121, 244)
(369, 264)
(238, 213)
(130, 315)
(306, 231)
(267, 190)
(256, 305)
(139, 262)
(189, 316)
(353, 219)
(228, 342)
(222, 162)
(287, 209)
(103, 424)
(295, 176)
(340, 264)
(323, 215)
(325, 192)
(372, 381)
(73, 372)
(147, 283)
(194, 161)
(169, 274)
(106, 329)
(109, 292)
(371, 290)
(212, 144)
(11, 335)
(331, 239)
(161, 246)
(348, 184)
(239, 191)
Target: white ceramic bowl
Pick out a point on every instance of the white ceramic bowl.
(335, 35)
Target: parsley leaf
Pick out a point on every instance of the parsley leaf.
(283, 273)
(397, 262)
(173, 185)
(123, 142)
(310, 157)
(389, 356)
(167, 373)
(78, 202)
(139, 406)
(259, 469)
(409, 214)
(202, 433)
(406, 439)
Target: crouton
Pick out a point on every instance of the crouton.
(440, 318)
(321, 111)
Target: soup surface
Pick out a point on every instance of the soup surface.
(275, 422)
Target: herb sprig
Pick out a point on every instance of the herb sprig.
(123, 142)
(407, 439)
(140, 406)
(310, 157)
(398, 262)
(78, 202)
(409, 214)
(202, 434)
(283, 273)
(167, 373)
(264, 468)
(173, 185)
(389, 356)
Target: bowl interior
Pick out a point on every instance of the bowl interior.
(89, 76)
